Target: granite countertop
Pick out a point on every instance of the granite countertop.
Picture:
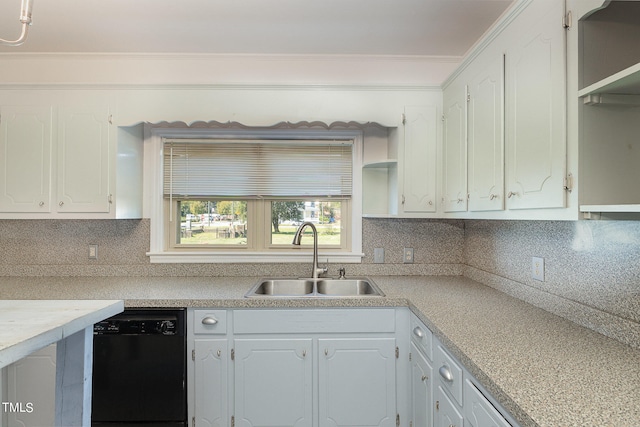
(545, 370)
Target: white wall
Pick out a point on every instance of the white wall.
(173, 69)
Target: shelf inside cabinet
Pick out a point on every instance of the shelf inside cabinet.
(625, 82)
(623, 208)
(380, 189)
(381, 164)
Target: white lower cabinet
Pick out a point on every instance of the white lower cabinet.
(326, 367)
(273, 382)
(443, 392)
(421, 389)
(210, 383)
(298, 367)
(447, 414)
(357, 382)
(478, 411)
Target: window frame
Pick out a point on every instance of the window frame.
(155, 206)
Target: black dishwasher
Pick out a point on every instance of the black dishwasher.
(139, 369)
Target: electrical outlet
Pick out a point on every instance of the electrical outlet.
(537, 269)
(378, 255)
(93, 251)
(407, 257)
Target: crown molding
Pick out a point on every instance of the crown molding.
(226, 57)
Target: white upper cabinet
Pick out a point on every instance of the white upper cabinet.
(536, 113)
(400, 165)
(486, 137)
(514, 122)
(26, 143)
(419, 160)
(454, 151)
(83, 160)
(75, 149)
(68, 161)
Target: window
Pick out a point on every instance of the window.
(242, 195)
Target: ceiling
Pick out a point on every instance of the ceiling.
(280, 27)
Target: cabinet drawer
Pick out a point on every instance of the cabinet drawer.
(422, 337)
(209, 322)
(449, 374)
(313, 321)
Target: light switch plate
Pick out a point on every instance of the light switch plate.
(537, 268)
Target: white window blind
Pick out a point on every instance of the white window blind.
(255, 169)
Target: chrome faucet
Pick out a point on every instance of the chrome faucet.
(315, 271)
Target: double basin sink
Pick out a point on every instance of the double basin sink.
(315, 288)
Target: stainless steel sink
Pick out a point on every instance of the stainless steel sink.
(314, 288)
(347, 287)
(283, 287)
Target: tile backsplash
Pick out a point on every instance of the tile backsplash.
(592, 268)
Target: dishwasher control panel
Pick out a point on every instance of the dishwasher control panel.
(134, 324)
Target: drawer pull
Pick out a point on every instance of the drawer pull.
(209, 320)
(445, 373)
(418, 332)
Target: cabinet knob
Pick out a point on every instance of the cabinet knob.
(493, 196)
(418, 332)
(209, 321)
(512, 193)
(460, 200)
(41, 204)
(424, 378)
(60, 204)
(445, 373)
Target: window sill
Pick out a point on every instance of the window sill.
(202, 257)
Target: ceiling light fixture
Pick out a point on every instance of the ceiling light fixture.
(25, 19)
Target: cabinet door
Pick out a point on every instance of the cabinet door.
(486, 140)
(83, 160)
(454, 150)
(447, 415)
(25, 159)
(478, 411)
(536, 115)
(273, 382)
(31, 385)
(421, 387)
(357, 382)
(419, 160)
(210, 378)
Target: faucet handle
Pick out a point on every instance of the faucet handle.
(321, 270)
